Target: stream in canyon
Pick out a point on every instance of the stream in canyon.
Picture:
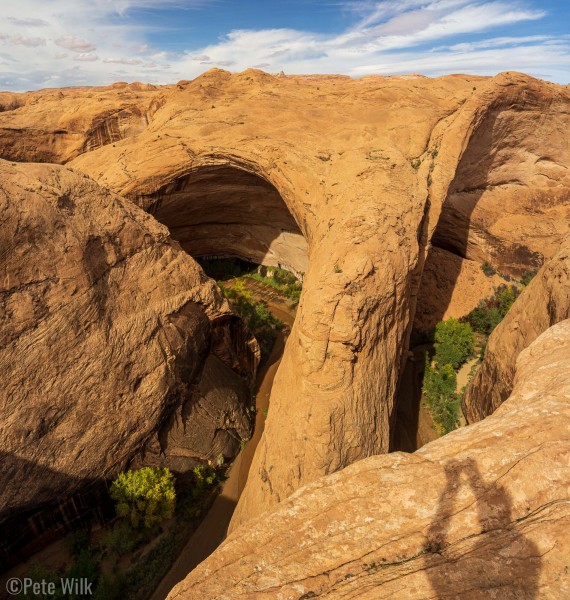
(212, 530)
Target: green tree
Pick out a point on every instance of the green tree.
(440, 383)
(205, 478)
(145, 497)
(505, 296)
(454, 343)
(491, 311)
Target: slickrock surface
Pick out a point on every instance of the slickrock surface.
(363, 168)
(342, 169)
(355, 163)
(482, 513)
(55, 125)
(112, 341)
(508, 201)
(544, 302)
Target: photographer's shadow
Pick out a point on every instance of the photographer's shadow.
(496, 562)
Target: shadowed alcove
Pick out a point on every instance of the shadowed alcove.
(224, 211)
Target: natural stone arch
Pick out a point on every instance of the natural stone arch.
(361, 207)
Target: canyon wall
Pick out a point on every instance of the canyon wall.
(508, 201)
(55, 125)
(114, 347)
(369, 173)
(544, 302)
(482, 513)
(335, 151)
(501, 197)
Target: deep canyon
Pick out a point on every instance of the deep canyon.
(385, 196)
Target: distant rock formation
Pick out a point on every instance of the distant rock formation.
(55, 125)
(481, 513)
(115, 349)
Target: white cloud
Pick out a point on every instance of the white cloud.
(86, 57)
(75, 44)
(20, 40)
(386, 37)
(123, 61)
(26, 22)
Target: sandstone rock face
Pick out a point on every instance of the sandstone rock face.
(508, 201)
(114, 345)
(362, 168)
(342, 180)
(220, 211)
(543, 303)
(56, 125)
(451, 286)
(481, 513)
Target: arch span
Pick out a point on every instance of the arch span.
(226, 211)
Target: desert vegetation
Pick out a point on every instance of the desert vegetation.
(130, 556)
(262, 323)
(454, 345)
(455, 342)
(285, 282)
(491, 311)
(235, 278)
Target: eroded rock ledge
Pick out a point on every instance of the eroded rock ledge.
(545, 302)
(483, 512)
(114, 347)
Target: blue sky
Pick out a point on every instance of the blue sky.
(53, 43)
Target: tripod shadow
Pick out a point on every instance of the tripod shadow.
(499, 561)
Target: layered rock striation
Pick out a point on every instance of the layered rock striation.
(55, 125)
(481, 513)
(115, 349)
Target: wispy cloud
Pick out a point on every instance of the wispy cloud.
(123, 61)
(385, 37)
(86, 57)
(20, 40)
(26, 22)
(75, 44)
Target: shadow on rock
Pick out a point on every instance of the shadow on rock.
(498, 561)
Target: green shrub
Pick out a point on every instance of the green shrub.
(491, 311)
(454, 342)
(84, 567)
(76, 542)
(527, 277)
(260, 321)
(281, 280)
(255, 314)
(145, 497)
(488, 269)
(484, 318)
(122, 539)
(205, 478)
(440, 383)
(505, 297)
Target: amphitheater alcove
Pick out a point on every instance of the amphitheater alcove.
(222, 211)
